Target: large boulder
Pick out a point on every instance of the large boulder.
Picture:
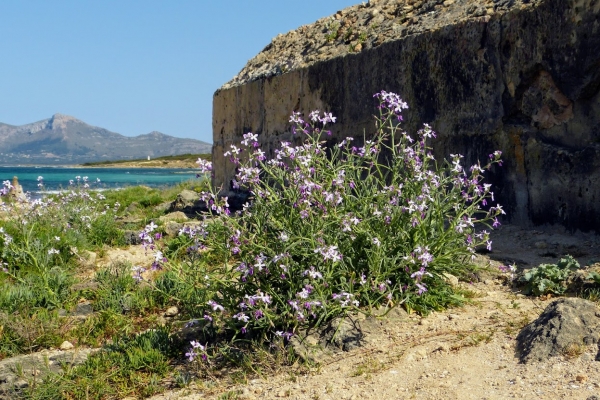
(564, 328)
(521, 76)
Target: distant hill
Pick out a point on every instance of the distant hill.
(66, 140)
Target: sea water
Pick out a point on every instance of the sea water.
(57, 178)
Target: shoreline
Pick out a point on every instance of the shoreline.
(169, 165)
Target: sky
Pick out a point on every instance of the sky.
(135, 66)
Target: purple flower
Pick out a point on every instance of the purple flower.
(241, 317)
(215, 306)
(285, 335)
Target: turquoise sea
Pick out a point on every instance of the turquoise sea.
(57, 178)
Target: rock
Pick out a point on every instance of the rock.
(172, 228)
(443, 347)
(83, 309)
(66, 345)
(450, 279)
(132, 208)
(176, 216)
(171, 312)
(132, 238)
(341, 334)
(511, 75)
(189, 203)
(163, 207)
(565, 323)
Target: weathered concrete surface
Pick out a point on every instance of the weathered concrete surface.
(523, 79)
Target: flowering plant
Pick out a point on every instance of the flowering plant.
(39, 239)
(341, 226)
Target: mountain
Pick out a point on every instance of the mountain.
(66, 140)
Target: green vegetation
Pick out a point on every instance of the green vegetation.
(549, 278)
(355, 226)
(43, 246)
(131, 365)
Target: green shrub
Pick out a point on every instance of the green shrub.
(549, 278)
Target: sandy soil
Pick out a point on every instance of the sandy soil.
(461, 353)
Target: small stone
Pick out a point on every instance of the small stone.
(21, 384)
(66, 345)
(423, 322)
(541, 245)
(443, 347)
(581, 378)
(171, 311)
(83, 309)
(282, 393)
(177, 216)
(450, 279)
(506, 346)
(453, 317)
(448, 3)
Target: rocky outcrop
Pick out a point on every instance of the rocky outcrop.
(521, 76)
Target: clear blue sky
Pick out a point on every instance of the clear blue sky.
(134, 66)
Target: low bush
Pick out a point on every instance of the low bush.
(333, 227)
(549, 278)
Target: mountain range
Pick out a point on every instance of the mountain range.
(62, 139)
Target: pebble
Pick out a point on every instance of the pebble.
(66, 345)
(171, 311)
(444, 347)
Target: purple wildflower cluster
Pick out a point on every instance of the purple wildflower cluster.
(42, 230)
(331, 227)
